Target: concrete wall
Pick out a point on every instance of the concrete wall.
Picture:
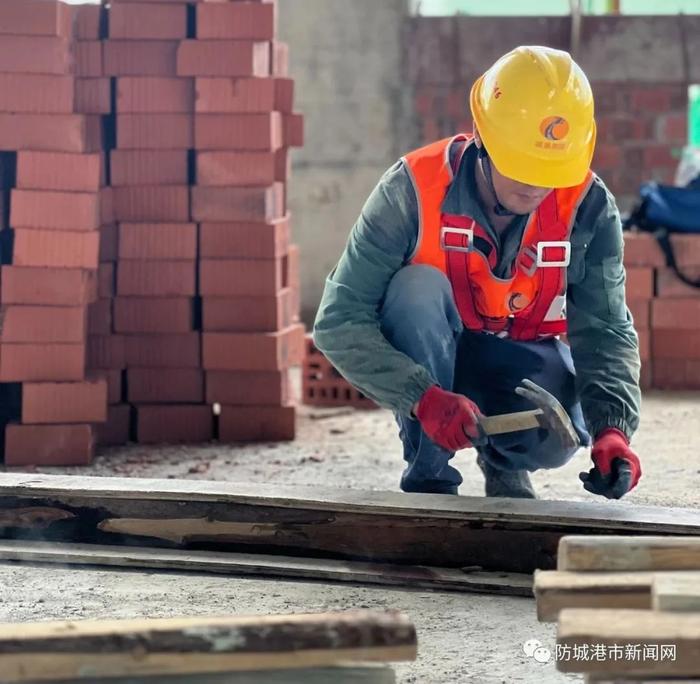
(346, 61)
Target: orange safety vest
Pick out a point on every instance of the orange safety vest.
(531, 303)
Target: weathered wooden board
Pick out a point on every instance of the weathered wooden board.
(556, 590)
(120, 648)
(641, 629)
(510, 535)
(676, 592)
(628, 553)
(443, 579)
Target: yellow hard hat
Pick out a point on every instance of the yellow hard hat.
(534, 112)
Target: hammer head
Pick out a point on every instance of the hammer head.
(554, 417)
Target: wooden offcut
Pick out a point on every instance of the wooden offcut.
(497, 534)
(676, 592)
(121, 648)
(628, 553)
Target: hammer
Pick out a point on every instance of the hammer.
(549, 414)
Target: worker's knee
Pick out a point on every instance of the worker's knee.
(532, 453)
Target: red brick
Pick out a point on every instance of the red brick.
(148, 167)
(48, 286)
(672, 128)
(155, 95)
(247, 314)
(291, 268)
(93, 96)
(607, 157)
(238, 204)
(279, 59)
(36, 93)
(257, 424)
(106, 352)
(236, 168)
(621, 127)
(641, 312)
(39, 324)
(188, 424)
(686, 249)
(669, 344)
(158, 241)
(49, 445)
(88, 58)
(116, 430)
(105, 281)
(650, 98)
(50, 210)
(668, 284)
(51, 132)
(152, 314)
(64, 402)
(56, 248)
(223, 58)
(642, 249)
(99, 317)
(60, 171)
(240, 277)
(283, 165)
(261, 132)
(676, 374)
(108, 242)
(155, 131)
(244, 240)
(156, 278)
(113, 380)
(284, 94)
(145, 21)
(35, 55)
(35, 17)
(293, 130)
(163, 351)
(237, 95)
(659, 156)
(249, 388)
(252, 351)
(152, 203)
(155, 386)
(140, 57)
(42, 362)
(676, 314)
(639, 283)
(247, 21)
(87, 22)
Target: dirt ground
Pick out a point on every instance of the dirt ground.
(462, 637)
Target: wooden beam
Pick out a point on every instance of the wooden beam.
(556, 590)
(121, 648)
(646, 630)
(628, 553)
(510, 535)
(676, 592)
(260, 565)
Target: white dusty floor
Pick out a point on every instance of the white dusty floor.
(462, 637)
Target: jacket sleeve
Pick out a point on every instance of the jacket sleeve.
(347, 328)
(604, 343)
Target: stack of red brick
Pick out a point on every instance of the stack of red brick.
(666, 310)
(195, 299)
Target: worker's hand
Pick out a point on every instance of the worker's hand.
(450, 420)
(617, 469)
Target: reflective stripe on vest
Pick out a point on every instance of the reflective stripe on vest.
(530, 303)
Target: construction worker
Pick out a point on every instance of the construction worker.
(471, 257)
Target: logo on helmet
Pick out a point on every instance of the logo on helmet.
(554, 127)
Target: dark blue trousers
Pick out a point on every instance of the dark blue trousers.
(419, 317)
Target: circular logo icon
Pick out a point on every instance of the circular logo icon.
(517, 301)
(554, 127)
(530, 646)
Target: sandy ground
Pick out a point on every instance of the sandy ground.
(462, 637)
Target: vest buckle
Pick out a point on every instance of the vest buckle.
(541, 262)
(469, 232)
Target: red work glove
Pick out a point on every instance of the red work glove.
(617, 469)
(450, 420)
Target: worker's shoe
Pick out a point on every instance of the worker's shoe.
(511, 483)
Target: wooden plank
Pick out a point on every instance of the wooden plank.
(645, 630)
(611, 679)
(556, 590)
(120, 648)
(256, 565)
(510, 535)
(674, 592)
(618, 553)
